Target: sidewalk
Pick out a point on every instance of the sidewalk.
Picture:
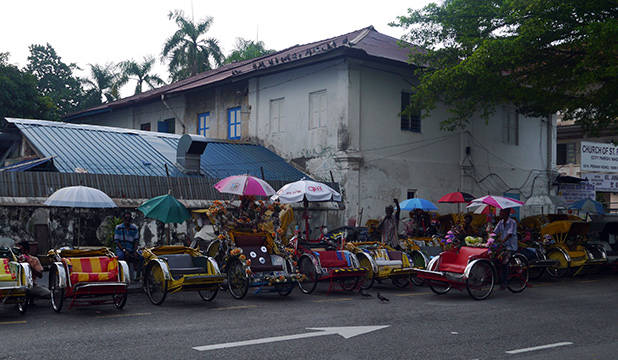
(134, 287)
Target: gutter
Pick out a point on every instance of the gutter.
(87, 113)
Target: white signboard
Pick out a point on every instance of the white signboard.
(603, 182)
(599, 157)
(574, 192)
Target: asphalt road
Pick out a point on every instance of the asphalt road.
(579, 315)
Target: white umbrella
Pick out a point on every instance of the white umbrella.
(305, 189)
(80, 197)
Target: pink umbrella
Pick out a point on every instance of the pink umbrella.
(244, 185)
(500, 202)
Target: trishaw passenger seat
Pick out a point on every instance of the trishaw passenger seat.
(261, 261)
(181, 264)
(92, 268)
(5, 272)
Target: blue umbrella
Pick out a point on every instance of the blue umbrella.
(417, 203)
(589, 206)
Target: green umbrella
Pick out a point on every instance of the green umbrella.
(166, 209)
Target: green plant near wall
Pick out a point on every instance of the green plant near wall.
(109, 228)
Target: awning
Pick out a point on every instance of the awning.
(26, 164)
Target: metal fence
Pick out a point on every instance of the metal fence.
(43, 184)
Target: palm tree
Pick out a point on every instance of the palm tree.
(188, 52)
(105, 82)
(140, 72)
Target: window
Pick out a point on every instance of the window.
(145, 126)
(317, 109)
(233, 123)
(166, 126)
(565, 154)
(203, 123)
(510, 127)
(276, 106)
(411, 193)
(410, 118)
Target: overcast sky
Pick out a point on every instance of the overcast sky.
(89, 32)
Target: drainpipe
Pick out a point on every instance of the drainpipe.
(549, 152)
(184, 129)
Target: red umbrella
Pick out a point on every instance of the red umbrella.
(456, 197)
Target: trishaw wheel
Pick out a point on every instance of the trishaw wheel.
(480, 281)
(349, 283)
(22, 305)
(310, 281)
(535, 273)
(209, 294)
(369, 278)
(120, 300)
(562, 268)
(439, 288)
(517, 273)
(401, 282)
(155, 283)
(56, 293)
(285, 289)
(237, 279)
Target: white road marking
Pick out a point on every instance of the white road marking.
(454, 333)
(541, 347)
(345, 331)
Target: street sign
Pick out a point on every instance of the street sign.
(575, 192)
(603, 182)
(345, 331)
(599, 157)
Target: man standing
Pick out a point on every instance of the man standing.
(507, 232)
(389, 226)
(126, 236)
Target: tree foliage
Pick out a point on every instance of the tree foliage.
(141, 73)
(104, 82)
(55, 79)
(247, 49)
(19, 96)
(543, 56)
(188, 51)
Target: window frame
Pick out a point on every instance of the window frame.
(321, 121)
(409, 122)
(510, 127)
(236, 124)
(203, 128)
(280, 103)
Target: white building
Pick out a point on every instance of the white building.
(333, 107)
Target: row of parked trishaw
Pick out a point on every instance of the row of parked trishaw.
(260, 253)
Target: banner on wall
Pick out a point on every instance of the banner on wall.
(599, 157)
(575, 192)
(603, 182)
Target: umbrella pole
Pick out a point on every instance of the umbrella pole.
(306, 216)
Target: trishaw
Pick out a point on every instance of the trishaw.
(87, 276)
(15, 280)
(605, 229)
(472, 268)
(324, 259)
(531, 245)
(174, 268)
(566, 246)
(252, 259)
(383, 262)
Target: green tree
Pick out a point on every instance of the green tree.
(19, 96)
(105, 82)
(543, 56)
(141, 73)
(187, 50)
(55, 79)
(247, 49)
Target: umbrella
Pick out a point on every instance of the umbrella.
(80, 197)
(244, 185)
(417, 203)
(589, 206)
(305, 189)
(166, 209)
(456, 197)
(500, 202)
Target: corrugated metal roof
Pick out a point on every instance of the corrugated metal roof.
(108, 150)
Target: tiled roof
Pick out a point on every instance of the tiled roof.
(108, 150)
(367, 41)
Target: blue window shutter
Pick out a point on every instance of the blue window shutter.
(162, 126)
(233, 122)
